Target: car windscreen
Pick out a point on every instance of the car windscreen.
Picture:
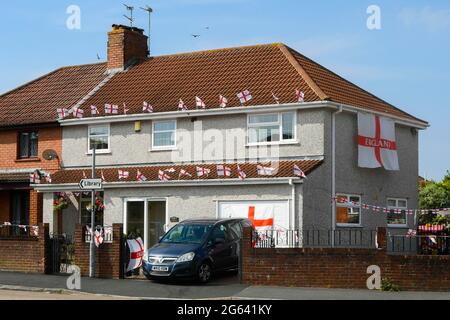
(187, 233)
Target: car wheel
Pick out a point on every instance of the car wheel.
(204, 272)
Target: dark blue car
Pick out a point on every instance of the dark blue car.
(196, 249)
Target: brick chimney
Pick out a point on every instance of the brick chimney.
(126, 46)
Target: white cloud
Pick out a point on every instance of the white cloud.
(427, 17)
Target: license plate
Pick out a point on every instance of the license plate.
(161, 269)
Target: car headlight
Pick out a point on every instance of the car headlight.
(186, 257)
(145, 257)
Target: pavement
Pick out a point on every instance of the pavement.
(224, 287)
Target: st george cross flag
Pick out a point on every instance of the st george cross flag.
(223, 171)
(277, 100)
(48, 178)
(241, 173)
(123, 174)
(244, 96)
(103, 177)
(223, 101)
(184, 173)
(125, 109)
(265, 171)
(62, 113)
(202, 172)
(94, 110)
(140, 176)
(299, 172)
(376, 142)
(136, 253)
(182, 106)
(98, 238)
(111, 109)
(147, 107)
(162, 176)
(35, 178)
(78, 113)
(199, 103)
(300, 95)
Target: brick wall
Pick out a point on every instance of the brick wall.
(25, 255)
(341, 268)
(49, 138)
(108, 255)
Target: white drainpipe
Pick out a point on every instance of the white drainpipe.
(333, 171)
(292, 184)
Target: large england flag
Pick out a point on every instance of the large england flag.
(377, 146)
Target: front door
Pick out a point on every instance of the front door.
(145, 219)
(20, 207)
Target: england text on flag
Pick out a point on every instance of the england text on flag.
(123, 174)
(147, 107)
(244, 96)
(223, 101)
(265, 171)
(62, 113)
(300, 95)
(377, 145)
(140, 176)
(299, 172)
(78, 113)
(223, 171)
(202, 172)
(94, 110)
(199, 103)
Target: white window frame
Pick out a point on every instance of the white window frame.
(341, 205)
(162, 148)
(103, 151)
(397, 200)
(279, 123)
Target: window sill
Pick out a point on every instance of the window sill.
(348, 225)
(163, 149)
(99, 152)
(28, 160)
(397, 226)
(281, 143)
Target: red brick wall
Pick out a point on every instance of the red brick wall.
(341, 268)
(25, 255)
(49, 138)
(108, 255)
(36, 207)
(125, 45)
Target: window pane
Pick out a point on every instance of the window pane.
(33, 144)
(402, 203)
(24, 145)
(354, 200)
(341, 215)
(98, 130)
(392, 203)
(164, 139)
(165, 126)
(268, 134)
(100, 143)
(264, 118)
(396, 218)
(288, 125)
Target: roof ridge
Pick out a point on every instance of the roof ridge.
(353, 84)
(298, 67)
(275, 44)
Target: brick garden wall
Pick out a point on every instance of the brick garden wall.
(108, 255)
(25, 255)
(341, 268)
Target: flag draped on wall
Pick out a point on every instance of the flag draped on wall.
(136, 253)
(377, 146)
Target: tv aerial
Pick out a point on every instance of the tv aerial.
(129, 18)
(149, 10)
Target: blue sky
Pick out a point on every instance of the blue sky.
(405, 63)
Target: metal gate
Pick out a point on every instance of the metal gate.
(61, 253)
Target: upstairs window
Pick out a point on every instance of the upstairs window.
(397, 212)
(99, 138)
(28, 145)
(164, 134)
(272, 128)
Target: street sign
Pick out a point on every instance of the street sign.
(91, 184)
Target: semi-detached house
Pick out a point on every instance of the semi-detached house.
(181, 152)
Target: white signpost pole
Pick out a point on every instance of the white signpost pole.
(92, 245)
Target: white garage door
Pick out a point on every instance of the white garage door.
(260, 210)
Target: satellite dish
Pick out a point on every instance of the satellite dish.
(49, 155)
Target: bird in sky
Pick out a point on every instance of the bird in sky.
(195, 35)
